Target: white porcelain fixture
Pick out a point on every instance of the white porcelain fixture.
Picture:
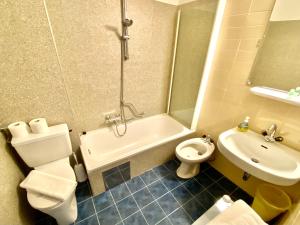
(101, 147)
(191, 153)
(271, 162)
(49, 152)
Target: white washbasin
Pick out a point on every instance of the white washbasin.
(271, 162)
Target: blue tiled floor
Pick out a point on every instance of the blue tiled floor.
(156, 197)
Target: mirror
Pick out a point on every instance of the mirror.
(277, 63)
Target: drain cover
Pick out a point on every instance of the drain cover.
(255, 160)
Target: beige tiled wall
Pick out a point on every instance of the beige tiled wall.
(228, 99)
(81, 81)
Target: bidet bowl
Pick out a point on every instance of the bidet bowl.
(191, 153)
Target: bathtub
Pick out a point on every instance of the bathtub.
(101, 148)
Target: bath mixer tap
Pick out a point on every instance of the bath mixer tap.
(270, 134)
(113, 118)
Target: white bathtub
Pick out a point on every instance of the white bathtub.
(101, 147)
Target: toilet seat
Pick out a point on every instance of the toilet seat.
(61, 168)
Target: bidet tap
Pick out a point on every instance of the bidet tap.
(270, 134)
(207, 139)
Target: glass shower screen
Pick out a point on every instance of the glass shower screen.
(194, 28)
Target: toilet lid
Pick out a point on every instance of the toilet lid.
(61, 168)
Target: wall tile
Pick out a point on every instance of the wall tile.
(265, 5)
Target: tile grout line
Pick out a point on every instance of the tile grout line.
(176, 199)
(155, 200)
(78, 222)
(134, 201)
(94, 206)
(114, 204)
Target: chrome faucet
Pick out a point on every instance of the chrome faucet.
(207, 139)
(270, 134)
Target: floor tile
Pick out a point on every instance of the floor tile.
(193, 186)
(204, 166)
(102, 201)
(172, 165)
(143, 197)
(205, 199)
(127, 207)
(168, 203)
(153, 213)
(90, 221)
(135, 219)
(161, 171)
(46, 221)
(179, 217)
(213, 173)
(194, 209)
(204, 180)
(83, 193)
(120, 192)
(113, 180)
(181, 194)
(227, 184)
(135, 184)
(171, 181)
(85, 209)
(217, 191)
(109, 216)
(157, 189)
(164, 222)
(240, 194)
(149, 177)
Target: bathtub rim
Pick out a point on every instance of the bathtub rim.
(92, 165)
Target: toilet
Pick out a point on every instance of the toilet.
(191, 153)
(49, 153)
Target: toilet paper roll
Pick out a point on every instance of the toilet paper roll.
(38, 125)
(80, 173)
(19, 129)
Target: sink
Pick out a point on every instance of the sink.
(271, 162)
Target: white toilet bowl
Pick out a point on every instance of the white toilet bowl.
(191, 153)
(64, 212)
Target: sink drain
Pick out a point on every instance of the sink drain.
(255, 160)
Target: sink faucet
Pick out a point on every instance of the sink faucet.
(270, 134)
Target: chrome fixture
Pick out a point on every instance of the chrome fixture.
(118, 119)
(125, 24)
(207, 139)
(270, 134)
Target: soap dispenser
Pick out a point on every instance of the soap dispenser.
(244, 126)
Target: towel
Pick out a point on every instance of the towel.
(49, 185)
(238, 214)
